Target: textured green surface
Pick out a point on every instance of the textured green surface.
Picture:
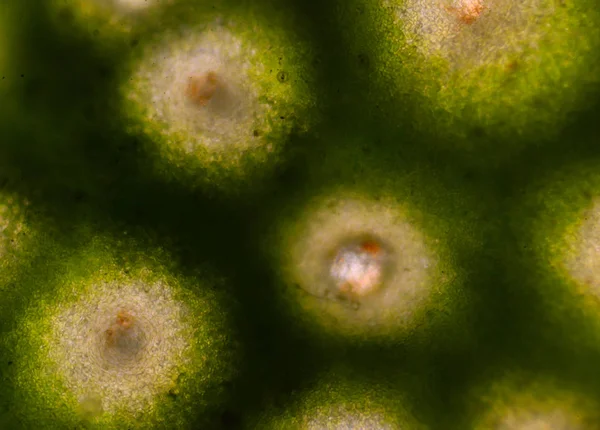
(62, 369)
(520, 401)
(423, 278)
(512, 78)
(341, 399)
(268, 72)
(484, 162)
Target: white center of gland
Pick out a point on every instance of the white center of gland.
(358, 269)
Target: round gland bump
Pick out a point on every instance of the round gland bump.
(466, 11)
(357, 270)
(358, 264)
(202, 88)
(118, 347)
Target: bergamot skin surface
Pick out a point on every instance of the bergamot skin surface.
(360, 266)
(558, 226)
(118, 341)
(519, 400)
(107, 21)
(216, 100)
(18, 235)
(15, 229)
(336, 400)
(475, 73)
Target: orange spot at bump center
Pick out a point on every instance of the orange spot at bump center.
(467, 12)
(370, 247)
(201, 89)
(122, 324)
(124, 319)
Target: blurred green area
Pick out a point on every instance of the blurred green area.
(62, 150)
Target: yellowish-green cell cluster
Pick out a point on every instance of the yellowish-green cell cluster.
(14, 228)
(518, 402)
(498, 65)
(357, 264)
(582, 258)
(562, 219)
(17, 234)
(575, 256)
(219, 100)
(120, 344)
(107, 17)
(339, 402)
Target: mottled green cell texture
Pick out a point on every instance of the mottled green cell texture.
(216, 100)
(480, 71)
(414, 282)
(558, 222)
(340, 400)
(19, 237)
(299, 214)
(107, 20)
(117, 341)
(519, 400)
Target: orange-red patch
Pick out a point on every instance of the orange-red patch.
(123, 322)
(201, 89)
(371, 247)
(468, 12)
(124, 319)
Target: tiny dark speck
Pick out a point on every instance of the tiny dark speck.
(282, 76)
(282, 117)
(363, 60)
(22, 76)
(10, 363)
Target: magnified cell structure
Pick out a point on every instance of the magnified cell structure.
(582, 259)
(336, 401)
(521, 403)
(17, 232)
(14, 228)
(216, 102)
(119, 342)
(559, 223)
(358, 265)
(505, 67)
(104, 17)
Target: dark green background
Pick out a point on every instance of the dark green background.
(61, 147)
